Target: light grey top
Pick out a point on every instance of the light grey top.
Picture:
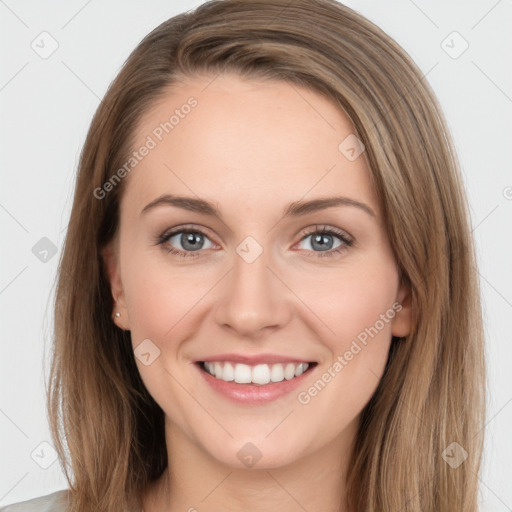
(54, 502)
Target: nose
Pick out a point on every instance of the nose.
(253, 300)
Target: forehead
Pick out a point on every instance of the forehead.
(225, 137)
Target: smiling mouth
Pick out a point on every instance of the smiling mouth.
(260, 374)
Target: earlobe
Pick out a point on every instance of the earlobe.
(111, 265)
(402, 321)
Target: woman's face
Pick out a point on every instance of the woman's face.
(227, 253)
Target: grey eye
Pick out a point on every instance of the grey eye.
(321, 242)
(190, 241)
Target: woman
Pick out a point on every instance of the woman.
(267, 296)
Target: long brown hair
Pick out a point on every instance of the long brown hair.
(108, 430)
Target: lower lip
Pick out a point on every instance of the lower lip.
(253, 394)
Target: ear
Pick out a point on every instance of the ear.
(110, 255)
(401, 324)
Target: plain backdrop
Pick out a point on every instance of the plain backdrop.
(47, 102)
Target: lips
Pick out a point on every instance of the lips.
(254, 379)
(252, 394)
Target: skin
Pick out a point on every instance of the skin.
(251, 148)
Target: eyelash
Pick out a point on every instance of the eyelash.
(347, 241)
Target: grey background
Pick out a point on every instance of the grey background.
(47, 105)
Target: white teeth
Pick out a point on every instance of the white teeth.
(260, 374)
(243, 374)
(289, 371)
(228, 372)
(277, 373)
(301, 368)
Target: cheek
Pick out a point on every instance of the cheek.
(159, 294)
(352, 301)
(163, 301)
(358, 353)
(358, 307)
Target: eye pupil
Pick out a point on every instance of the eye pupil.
(323, 240)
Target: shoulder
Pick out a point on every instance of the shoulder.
(54, 502)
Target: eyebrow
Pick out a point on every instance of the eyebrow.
(295, 209)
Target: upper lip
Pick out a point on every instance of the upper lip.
(255, 359)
